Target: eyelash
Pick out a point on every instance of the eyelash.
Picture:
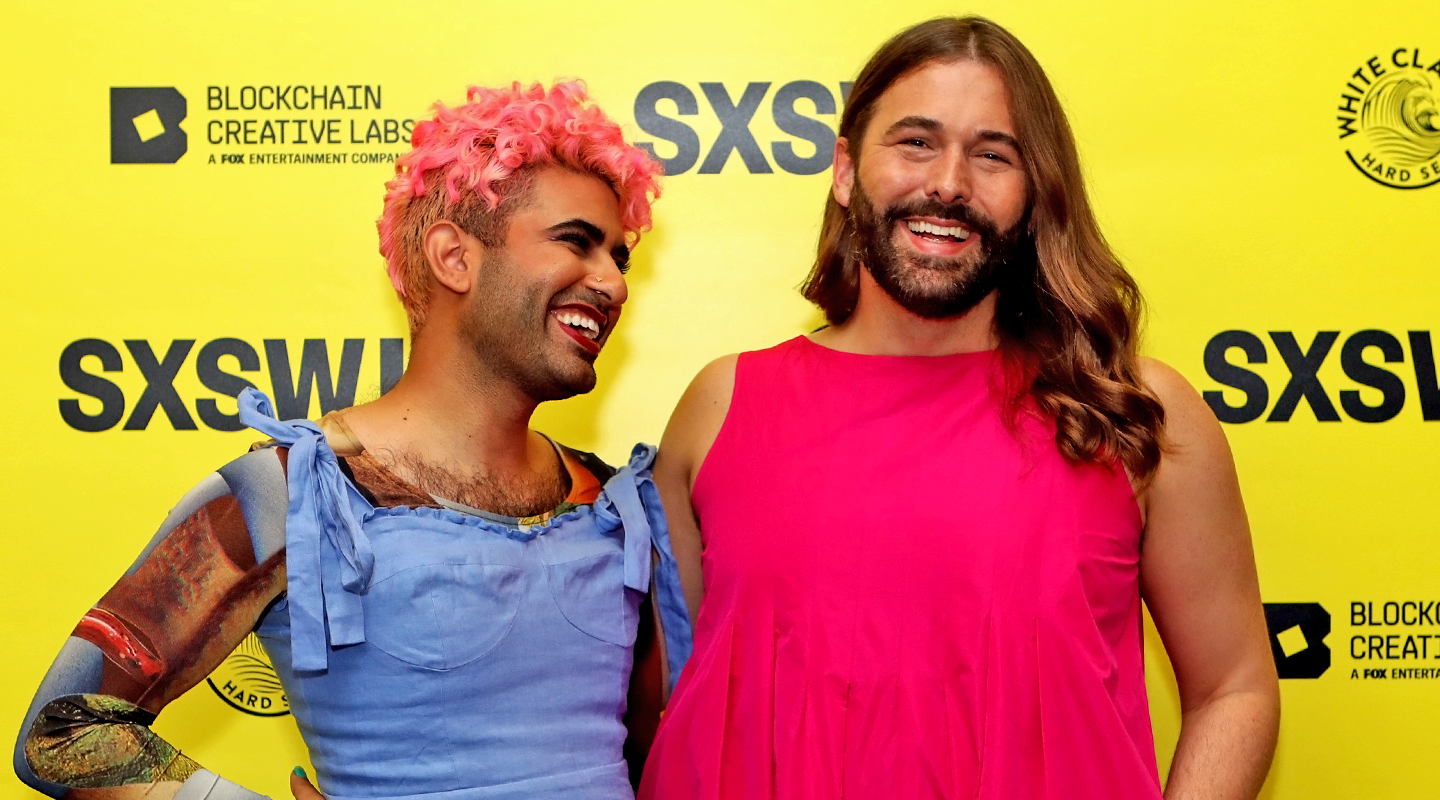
(584, 244)
(922, 143)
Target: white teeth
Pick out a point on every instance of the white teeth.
(577, 320)
(925, 227)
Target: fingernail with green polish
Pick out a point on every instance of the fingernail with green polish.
(300, 771)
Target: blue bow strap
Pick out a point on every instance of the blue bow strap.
(328, 559)
(634, 496)
(624, 495)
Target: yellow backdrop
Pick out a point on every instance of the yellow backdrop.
(1218, 140)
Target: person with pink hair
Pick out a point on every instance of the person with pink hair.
(452, 601)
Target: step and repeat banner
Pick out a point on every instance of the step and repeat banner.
(190, 205)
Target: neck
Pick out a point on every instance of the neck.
(449, 410)
(882, 327)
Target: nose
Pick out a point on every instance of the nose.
(604, 278)
(950, 179)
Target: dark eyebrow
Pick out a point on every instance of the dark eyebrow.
(592, 233)
(927, 124)
(589, 230)
(1001, 137)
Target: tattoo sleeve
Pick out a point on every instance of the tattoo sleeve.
(200, 586)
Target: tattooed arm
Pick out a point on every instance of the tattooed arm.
(203, 583)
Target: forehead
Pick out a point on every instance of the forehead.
(557, 194)
(961, 95)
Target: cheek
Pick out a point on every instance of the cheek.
(886, 179)
(1007, 197)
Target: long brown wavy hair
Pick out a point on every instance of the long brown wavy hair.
(1068, 313)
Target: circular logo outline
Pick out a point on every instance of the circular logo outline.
(1395, 107)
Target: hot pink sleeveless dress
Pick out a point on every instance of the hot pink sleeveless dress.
(904, 598)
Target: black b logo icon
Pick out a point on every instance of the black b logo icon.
(145, 125)
(1297, 638)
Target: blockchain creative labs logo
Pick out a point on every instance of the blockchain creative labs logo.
(247, 682)
(145, 125)
(1297, 638)
(1390, 119)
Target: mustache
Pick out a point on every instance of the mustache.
(583, 296)
(930, 207)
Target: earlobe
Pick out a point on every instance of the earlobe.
(453, 256)
(842, 176)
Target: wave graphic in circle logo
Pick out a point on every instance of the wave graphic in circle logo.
(248, 682)
(1390, 120)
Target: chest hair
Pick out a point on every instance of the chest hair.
(508, 495)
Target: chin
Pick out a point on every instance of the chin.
(563, 384)
(583, 385)
(932, 285)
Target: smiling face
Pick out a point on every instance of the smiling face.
(937, 187)
(545, 303)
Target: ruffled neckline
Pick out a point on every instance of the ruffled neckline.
(467, 520)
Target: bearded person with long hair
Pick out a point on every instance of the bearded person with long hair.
(918, 540)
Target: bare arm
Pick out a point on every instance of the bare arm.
(646, 698)
(1197, 574)
(692, 430)
(198, 589)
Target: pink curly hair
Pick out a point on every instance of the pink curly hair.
(480, 153)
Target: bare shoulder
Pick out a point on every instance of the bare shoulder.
(1189, 422)
(1197, 470)
(693, 428)
(698, 417)
(1168, 385)
(715, 382)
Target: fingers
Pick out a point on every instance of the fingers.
(301, 787)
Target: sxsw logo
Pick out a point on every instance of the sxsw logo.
(1297, 638)
(290, 387)
(735, 111)
(145, 125)
(1358, 355)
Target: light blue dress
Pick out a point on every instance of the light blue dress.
(428, 653)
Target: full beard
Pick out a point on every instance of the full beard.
(932, 287)
(502, 327)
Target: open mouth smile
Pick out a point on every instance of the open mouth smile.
(937, 236)
(585, 324)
